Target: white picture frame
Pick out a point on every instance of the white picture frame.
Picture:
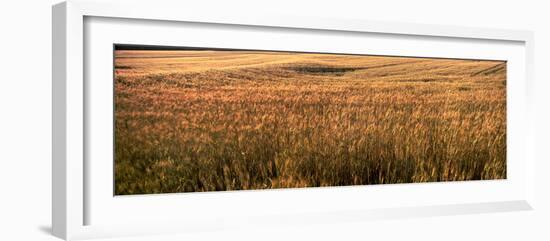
(73, 191)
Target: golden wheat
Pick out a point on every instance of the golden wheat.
(188, 121)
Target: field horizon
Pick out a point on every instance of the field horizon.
(217, 120)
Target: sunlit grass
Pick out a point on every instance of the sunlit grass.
(189, 121)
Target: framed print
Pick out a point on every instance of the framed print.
(206, 122)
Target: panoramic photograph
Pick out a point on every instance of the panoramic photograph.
(192, 119)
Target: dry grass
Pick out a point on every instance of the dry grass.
(189, 121)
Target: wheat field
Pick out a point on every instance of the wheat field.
(217, 120)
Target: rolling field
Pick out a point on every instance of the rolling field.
(205, 120)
